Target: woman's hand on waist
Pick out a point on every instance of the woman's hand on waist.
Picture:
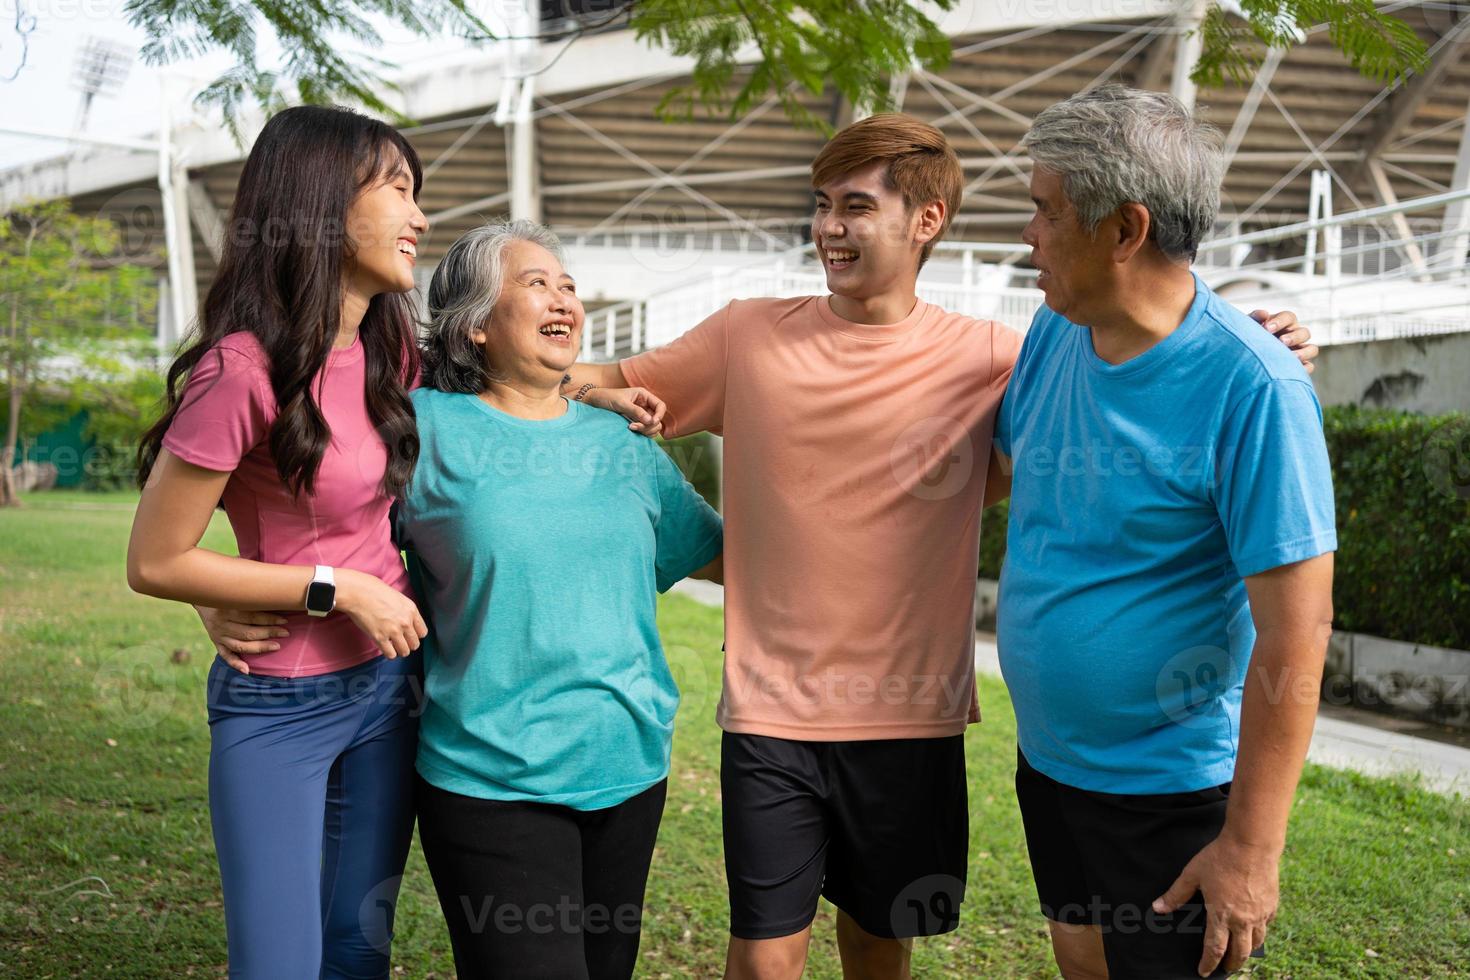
(238, 633)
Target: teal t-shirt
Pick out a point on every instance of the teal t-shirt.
(536, 549)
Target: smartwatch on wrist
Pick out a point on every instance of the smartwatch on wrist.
(321, 594)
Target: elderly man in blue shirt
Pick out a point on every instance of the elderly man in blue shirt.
(1167, 596)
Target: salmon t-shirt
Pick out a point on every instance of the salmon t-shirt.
(855, 464)
(223, 424)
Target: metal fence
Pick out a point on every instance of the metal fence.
(1359, 276)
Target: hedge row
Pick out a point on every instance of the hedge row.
(1402, 485)
(993, 539)
(1403, 524)
(695, 456)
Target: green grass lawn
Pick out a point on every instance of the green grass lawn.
(108, 868)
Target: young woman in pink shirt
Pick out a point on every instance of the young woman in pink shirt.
(289, 407)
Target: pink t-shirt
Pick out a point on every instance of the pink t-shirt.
(855, 465)
(224, 423)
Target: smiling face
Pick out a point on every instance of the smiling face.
(384, 224)
(868, 240)
(535, 331)
(1075, 269)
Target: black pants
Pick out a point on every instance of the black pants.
(535, 890)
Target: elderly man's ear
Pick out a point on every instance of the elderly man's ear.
(1131, 230)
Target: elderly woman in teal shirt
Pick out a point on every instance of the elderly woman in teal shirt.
(538, 532)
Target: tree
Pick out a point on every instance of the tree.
(1378, 45)
(806, 44)
(73, 320)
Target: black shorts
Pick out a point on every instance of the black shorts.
(881, 828)
(1102, 858)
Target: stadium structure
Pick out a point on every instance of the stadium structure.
(1345, 200)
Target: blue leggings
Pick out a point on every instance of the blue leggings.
(311, 801)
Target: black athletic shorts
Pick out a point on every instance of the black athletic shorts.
(881, 828)
(1102, 858)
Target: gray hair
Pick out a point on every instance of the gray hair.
(462, 296)
(1115, 145)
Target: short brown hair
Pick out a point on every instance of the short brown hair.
(922, 166)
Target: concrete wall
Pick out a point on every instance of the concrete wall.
(1430, 683)
(1416, 374)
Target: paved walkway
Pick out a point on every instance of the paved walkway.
(1374, 749)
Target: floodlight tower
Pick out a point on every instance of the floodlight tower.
(101, 68)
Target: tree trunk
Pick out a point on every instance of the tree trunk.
(8, 496)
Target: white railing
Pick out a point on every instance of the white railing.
(1365, 282)
(714, 240)
(1359, 280)
(956, 279)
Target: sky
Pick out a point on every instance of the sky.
(43, 94)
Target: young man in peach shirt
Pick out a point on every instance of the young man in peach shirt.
(857, 434)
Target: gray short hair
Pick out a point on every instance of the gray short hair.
(1115, 145)
(462, 295)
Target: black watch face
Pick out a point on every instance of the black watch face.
(320, 596)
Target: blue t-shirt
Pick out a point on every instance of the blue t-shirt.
(1143, 494)
(536, 549)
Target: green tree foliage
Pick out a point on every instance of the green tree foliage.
(1379, 45)
(853, 48)
(74, 326)
(310, 33)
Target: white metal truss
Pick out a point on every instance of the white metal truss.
(206, 217)
(1052, 70)
(656, 179)
(1410, 96)
(1107, 73)
(1318, 152)
(1159, 56)
(1401, 224)
(1450, 252)
(659, 174)
(1319, 212)
(1187, 50)
(964, 121)
(1143, 49)
(1247, 113)
(1313, 151)
(1424, 134)
(677, 174)
(994, 102)
(1433, 186)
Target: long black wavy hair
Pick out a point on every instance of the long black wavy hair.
(281, 278)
